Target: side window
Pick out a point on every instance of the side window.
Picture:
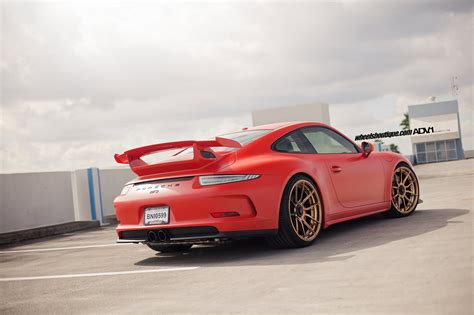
(294, 142)
(325, 140)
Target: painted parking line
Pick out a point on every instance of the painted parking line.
(61, 248)
(98, 274)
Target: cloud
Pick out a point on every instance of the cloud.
(83, 80)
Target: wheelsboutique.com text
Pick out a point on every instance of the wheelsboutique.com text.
(391, 134)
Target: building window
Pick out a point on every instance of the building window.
(451, 150)
(420, 147)
(421, 153)
(431, 152)
(421, 157)
(436, 151)
(441, 151)
(451, 144)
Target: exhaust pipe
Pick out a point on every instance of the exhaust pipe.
(152, 237)
(157, 236)
(163, 236)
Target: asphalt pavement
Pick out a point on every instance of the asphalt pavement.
(414, 265)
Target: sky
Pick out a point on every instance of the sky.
(81, 81)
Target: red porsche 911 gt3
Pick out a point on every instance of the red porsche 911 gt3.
(285, 182)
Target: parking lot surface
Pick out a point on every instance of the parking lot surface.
(419, 264)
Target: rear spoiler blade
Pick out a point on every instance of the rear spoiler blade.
(133, 156)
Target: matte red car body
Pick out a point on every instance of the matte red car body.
(350, 185)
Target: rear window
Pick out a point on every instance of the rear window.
(243, 137)
(171, 155)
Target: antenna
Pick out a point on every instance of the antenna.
(454, 86)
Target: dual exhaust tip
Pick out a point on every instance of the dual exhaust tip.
(158, 236)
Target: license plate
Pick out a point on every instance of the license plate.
(157, 215)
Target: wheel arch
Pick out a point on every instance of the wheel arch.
(404, 163)
(400, 163)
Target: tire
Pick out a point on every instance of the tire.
(170, 248)
(405, 192)
(300, 202)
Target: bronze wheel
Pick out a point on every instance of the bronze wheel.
(305, 210)
(301, 214)
(405, 191)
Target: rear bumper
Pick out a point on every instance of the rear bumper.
(191, 205)
(190, 234)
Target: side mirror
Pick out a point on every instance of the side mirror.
(367, 148)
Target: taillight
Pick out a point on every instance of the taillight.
(209, 180)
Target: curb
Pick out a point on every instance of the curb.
(18, 236)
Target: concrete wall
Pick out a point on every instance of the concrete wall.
(469, 154)
(35, 199)
(111, 183)
(32, 200)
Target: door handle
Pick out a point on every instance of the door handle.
(336, 169)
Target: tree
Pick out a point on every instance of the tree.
(405, 124)
(394, 148)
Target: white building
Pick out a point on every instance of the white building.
(442, 141)
(311, 112)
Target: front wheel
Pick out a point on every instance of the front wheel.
(170, 248)
(405, 192)
(300, 217)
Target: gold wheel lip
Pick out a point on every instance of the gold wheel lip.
(401, 202)
(306, 231)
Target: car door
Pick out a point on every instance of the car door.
(357, 180)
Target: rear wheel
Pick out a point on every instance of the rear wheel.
(300, 217)
(405, 192)
(170, 248)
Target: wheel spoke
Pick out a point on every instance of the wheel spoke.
(407, 176)
(311, 218)
(305, 210)
(310, 206)
(405, 205)
(407, 199)
(307, 197)
(302, 226)
(300, 195)
(308, 226)
(297, 227)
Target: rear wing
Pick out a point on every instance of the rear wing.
(141, 168)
